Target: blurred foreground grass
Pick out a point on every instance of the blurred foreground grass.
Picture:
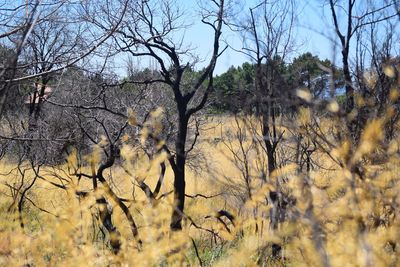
(343, 214)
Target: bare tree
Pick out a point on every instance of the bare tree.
(268, 38)
(53, 31)
(267, 33)
(358, 14)
(48, 39)
(17, 26)
(377, 47)
(149, 32)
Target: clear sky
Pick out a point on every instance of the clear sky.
(313, 33)
(312, 25)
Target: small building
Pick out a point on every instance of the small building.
(33, 98)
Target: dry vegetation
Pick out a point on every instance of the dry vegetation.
(286, 160)
(340, 216)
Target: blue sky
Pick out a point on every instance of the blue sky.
(313, 33)
(312, 22)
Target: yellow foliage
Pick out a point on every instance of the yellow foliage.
(389, 71)
(333, 106)
(336, 214)
(304, 116)
(132, 117)
(304, 94)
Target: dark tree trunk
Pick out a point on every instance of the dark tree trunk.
(354, 125)
(348, 81)
(269, 145)
(269, 134)
(106, 220)
(38, 106)
(179, 173)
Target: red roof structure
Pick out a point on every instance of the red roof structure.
(34, 96)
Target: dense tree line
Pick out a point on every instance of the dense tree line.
(234, 89)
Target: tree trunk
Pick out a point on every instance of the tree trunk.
(348, 81)
(268, 144)
(179, 173)
(268, 114)
(352, 124)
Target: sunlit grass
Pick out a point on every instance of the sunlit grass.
(338, 215)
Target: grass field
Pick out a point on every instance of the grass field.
(338, 217)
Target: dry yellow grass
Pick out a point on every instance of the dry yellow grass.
(338, 217)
